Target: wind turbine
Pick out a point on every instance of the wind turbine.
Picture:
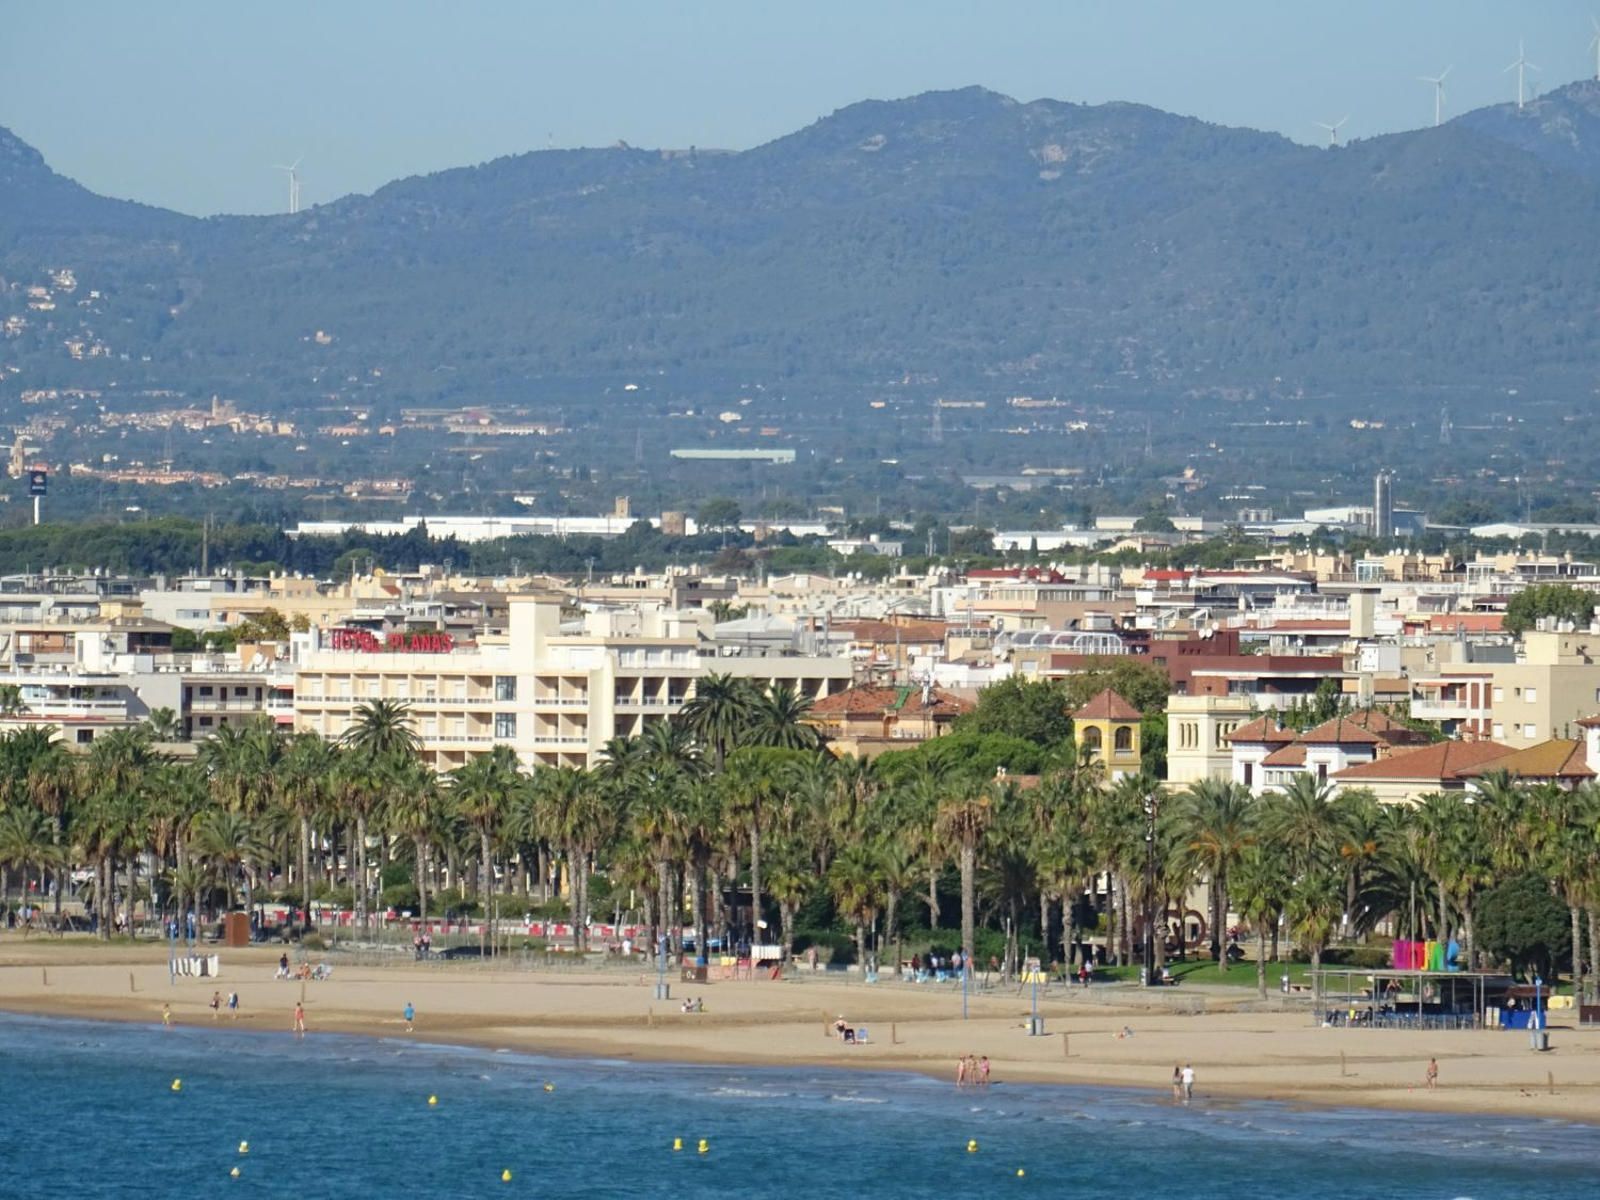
(1522, 64)
(294, 184)
(1594, 44)
(1333, 130)
(1438, 93)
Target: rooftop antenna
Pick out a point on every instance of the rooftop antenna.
(1594, 44)
(1438, 93)
(1333, 130)
(293, 171)
(1521, 65)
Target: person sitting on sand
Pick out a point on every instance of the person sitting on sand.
(688, 1005)
(839, 1026)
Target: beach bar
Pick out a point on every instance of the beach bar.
(1412, 999)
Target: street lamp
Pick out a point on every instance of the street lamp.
(1150, 812)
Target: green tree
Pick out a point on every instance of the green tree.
(1563, 601)
(1034, 709)
(1521, 922)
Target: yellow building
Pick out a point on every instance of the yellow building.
(1107, 729)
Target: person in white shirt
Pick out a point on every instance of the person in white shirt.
(1188, 1083)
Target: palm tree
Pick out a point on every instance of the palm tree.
(1260, 888)
(303, 785)
(483, 788)
(718, 713)
(27, 839)
(855, 881)
(1313, 910)
(382, 729)
(777, 718)
(1216, 824)
(416, 811)
(963, 818)
(163, 725)
(357, 784)
(227, 840)
(576, 818)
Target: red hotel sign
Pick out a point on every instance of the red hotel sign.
(368, 642)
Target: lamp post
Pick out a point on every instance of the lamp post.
(1150, 806)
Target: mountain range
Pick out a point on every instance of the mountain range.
(959, 238)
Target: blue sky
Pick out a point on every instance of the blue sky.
(188, 104)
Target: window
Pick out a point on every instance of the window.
(1531, 695)
(1091, 738)
(85, 736)
(505, 726)
(1499, 730)
(1123, 739)
(1530, 731)
(505, 687)
(1499, 694)
(1249, 774)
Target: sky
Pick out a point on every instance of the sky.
(189, 104)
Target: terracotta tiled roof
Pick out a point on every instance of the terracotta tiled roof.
(1107, 706)
(1286, 756)
(1437, 763)
(1367, 727)
(856, 701)
(1588, 722)
(1263, 730)
(888, 631)
(1559, 758)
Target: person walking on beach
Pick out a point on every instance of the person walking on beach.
(166, 1016)
(410, 1015)
(299, 1017)
(216, 1005)
(1433, 1073)
(1177, 1084)
(983, 1071)
(961, 1071)
(1187, 1079)
(233, 1005)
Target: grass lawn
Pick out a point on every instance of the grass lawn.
(1238, 975)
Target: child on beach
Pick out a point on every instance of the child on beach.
(410, 1015)
(166, 1015)
(299, 1017)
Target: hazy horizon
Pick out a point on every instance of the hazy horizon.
(189, 105)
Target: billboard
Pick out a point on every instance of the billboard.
(38, 482)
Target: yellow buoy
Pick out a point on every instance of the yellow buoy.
(234, 1172)
(244, 1147)
(177, 1085)
(433, 1101)
(972, 1146)
(1020, 1173)
(505, 1176)
(549, 1087)
(677, 1143)
(703, 1146)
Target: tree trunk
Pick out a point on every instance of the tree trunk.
(861, 947)
(1216, 921)
(663, 905)
(786, 918)
(361, 871)
(574, 897)
(485, 869)
(933, 897)
(1594, 943)
(969, 870)
(702, 949)
(1577, 949)
(1045, 907)
(1222, 913)
(421, 847)
(1261, 964)
(305, 866)
(755, 882)
(892, 929)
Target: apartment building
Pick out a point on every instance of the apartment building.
(555, 692)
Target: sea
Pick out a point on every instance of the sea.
(91, 1110)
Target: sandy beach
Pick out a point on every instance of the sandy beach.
(1237, 1049)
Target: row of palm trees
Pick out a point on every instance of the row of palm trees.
(738, 795)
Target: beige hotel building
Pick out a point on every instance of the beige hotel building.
(555, 692)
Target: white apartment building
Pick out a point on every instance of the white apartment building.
(554, 692)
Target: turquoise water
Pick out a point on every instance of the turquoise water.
(89, 1112)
